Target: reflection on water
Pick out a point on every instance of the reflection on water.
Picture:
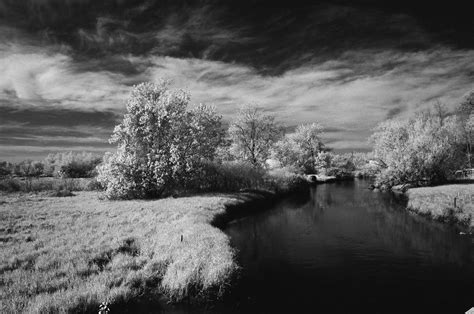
(344, 248)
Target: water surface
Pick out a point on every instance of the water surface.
(345, 249)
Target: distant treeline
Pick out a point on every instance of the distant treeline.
(62, 164)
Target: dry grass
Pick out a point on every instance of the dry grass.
(71, 254)
(438, 202)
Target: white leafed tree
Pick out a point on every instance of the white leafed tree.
(425, 147)
(160, 143)
(301, 148)
(252, 134)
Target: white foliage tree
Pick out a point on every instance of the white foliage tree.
(425, 147)
(301, 148)
(252, 134)
(159, 143)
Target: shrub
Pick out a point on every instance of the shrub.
(341, 166)
(284, 180)
(227, 176)
(72, 164)
(93, 185)
(29, 169)
(5, 169)
(367, 170)
(10, 185)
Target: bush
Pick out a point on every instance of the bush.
(368, 170)
(230, 176)
(5, 169)
(72, 164)
(240, 175)
(29, 169)
(10, 185)
(284, 180)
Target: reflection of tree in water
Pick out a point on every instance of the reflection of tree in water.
(389, 224)
(321, 197)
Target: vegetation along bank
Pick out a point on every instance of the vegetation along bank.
(450, 203)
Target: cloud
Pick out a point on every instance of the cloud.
(51, 116)
(270, 38)
(39, 76)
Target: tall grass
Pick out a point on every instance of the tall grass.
(71, 254)
(283, 180)
(238, 176)
(453, 203)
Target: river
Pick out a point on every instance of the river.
(341, 248)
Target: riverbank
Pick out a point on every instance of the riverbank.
(450, 203)
(73, 253)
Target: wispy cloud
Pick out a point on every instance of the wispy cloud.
(38, 76)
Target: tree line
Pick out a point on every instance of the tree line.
(61, 164)
(162, 145)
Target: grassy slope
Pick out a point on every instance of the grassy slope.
(74, 253)
(438, 202)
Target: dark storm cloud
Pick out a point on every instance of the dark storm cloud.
(67, 65)
(270, 36)
(37, 117)
(30, 127)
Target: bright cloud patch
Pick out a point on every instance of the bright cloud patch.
(39, 77)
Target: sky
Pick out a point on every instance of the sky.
(68, 66)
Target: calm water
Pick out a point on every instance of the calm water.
(343, 248)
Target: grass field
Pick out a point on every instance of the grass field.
(70, 254)
(439, 202)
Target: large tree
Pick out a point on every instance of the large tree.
(159, 143)
(424, 147)
(301, 148)
(252, 134)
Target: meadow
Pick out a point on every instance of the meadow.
(70, 254)
(451, 203)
